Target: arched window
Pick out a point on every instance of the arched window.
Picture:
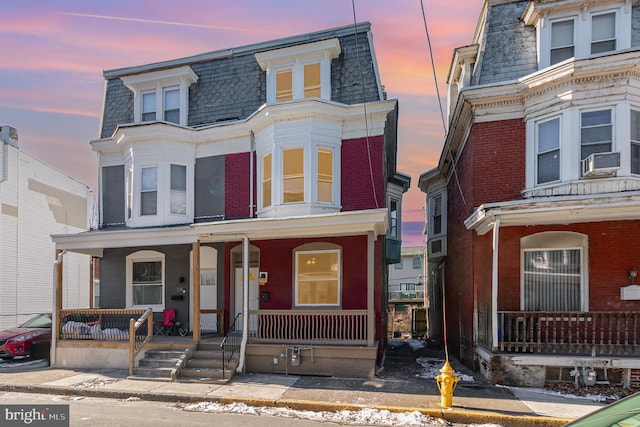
(145, 280)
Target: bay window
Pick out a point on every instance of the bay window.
(325, 175)
(266, 180)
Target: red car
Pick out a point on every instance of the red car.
(32, 338)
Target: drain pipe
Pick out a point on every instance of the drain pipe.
(245, 303)
(252, 148)
(54, 314)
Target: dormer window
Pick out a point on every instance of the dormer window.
(576, 30)
(161, 95)
(299, 72)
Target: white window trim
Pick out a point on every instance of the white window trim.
(158, 81)
(537, 151)
(557, 240)
(295, 285)
(142, 256)
(443, 220)
(570, 142)
(582, 30)
(163, 214)
(310, 176)
(295, 58)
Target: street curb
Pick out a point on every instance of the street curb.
(453, 415)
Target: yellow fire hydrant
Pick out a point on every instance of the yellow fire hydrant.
(446, 384)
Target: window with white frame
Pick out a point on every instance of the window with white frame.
(437, 215)
(635, 141)
(554, 272)
(129, 193)
(417, 263)
(398, 265)
(267, 178)
(299, 72)
(562, 40)
(548, 150)
(149, 106)
(603, 32)
(171, 105)
(393, 218)
(596, 132)
(145, 280)
(178, 197)
(293, 175)
(161, 95)
(325, 175)
(586, 30)
(149, 191)
(318, 277)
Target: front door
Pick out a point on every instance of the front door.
(209, 322)
(254, 303)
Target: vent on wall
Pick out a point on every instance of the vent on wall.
(436, 248)
(600, 165)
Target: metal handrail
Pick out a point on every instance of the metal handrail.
(231, 340)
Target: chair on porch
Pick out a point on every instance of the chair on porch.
(168, 324)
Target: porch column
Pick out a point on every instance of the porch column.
(494, 285)
(196, 290)
(371, 315)
(58, 290)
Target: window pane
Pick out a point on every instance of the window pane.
(552, 280)
(179, 177)
(284, 86)
(147, 272)
(149, 179)
(312, 81)
(562, 44)
(417, 263)
(325, 176)
(148, 106)
(596, 132)
(317, 278)
(393, 221)
(549, 167)
(603, 33)
(293, 175)
(266, 181)
(147, 295)
(178, 202)
(172, 105)
(149, 203)
(437, 215)
(549, 135)
(635, 141)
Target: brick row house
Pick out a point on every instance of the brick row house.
(251, 189)
(533, 225)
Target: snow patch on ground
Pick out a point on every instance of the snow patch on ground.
(364, 416)
(431, 369)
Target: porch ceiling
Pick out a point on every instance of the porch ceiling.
(555, 210)
(335, 224)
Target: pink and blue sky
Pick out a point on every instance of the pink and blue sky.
(53, 54)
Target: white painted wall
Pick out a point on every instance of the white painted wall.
(37, 201)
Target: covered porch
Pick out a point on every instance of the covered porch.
(285, 335)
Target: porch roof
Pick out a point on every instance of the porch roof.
(335, 224)
(556, 210)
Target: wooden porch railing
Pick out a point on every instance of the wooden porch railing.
(136, 340)
(584, 333)
(308, 327)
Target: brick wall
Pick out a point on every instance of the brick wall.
(236, 186)
(356, 186)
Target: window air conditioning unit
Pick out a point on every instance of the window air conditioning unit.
(436, 248)
(600, 164)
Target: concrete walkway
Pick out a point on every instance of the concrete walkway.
(474, 402)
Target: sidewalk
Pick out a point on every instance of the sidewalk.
(474, 402)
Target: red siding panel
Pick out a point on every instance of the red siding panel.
(362, 159)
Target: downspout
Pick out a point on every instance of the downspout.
(494, 284)
(245, 303)
(54, 317)
(251, 166)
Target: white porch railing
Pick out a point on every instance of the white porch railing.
(308, 327)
